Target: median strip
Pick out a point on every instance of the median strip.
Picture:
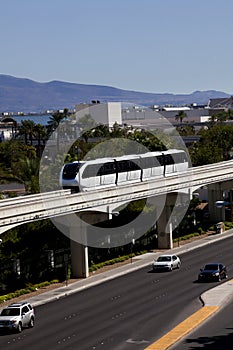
(183, 328)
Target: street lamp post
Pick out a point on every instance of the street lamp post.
(66, 268)
(131, 233)
(178, 231)
(131, 253)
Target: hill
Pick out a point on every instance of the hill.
(25, 95)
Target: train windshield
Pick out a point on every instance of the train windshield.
(70, 170)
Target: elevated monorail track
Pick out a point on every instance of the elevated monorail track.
(16, 211)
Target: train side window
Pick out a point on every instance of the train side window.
(127, 165)
(107, 169)
(161, 160)
(180, 157)
(133, 165)
(149, 162)
(122, 166)
(168, 159)
(91, 170)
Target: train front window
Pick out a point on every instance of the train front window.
(70, 170)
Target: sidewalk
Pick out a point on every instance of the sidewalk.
(214, 296)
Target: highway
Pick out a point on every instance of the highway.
(129, 312)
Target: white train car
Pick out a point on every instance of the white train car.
(99, 173)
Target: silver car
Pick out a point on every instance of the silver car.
(17, 316)
(166, 262)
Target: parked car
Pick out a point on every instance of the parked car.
(166, 262)
(17, 316)
(212, 272)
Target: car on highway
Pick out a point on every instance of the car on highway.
(212, 272)
(166, 262)
(17, 316)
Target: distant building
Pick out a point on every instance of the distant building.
(102, 113)
(8, 128)
(221, 103)
(193, 115)
(158, 117)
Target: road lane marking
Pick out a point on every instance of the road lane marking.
(183, 328)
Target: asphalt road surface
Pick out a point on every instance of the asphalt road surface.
(126, 313)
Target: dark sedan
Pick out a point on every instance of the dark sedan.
(212, 272)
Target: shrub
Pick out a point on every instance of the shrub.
(28, 289)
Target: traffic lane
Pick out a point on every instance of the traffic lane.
(134, 309)
(129, 320)
(116, 295)
(214, 252)
(202, 314)
(112, 316)
(215, 334)
(128, 310)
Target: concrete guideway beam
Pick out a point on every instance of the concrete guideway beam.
(19, 211)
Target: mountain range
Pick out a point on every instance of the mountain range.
(28, 96)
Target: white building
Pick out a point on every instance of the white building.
(102, 113)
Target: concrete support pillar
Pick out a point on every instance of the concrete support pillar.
(79, 242)
(79, 259)
(164, 238)
(215, 193)
(164, 230)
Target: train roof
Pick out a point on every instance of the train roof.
(128, 156)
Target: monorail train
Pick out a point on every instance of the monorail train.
(87, 175)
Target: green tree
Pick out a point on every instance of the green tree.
(27, 129)
(186, 130)
(229, 114)
(212, 120)
(202, 154)
(221, 117)
(54, 122)
(40, 133)
(27, 172)
(149, 140)
(180, 116)
(86, 122)
(215, 145)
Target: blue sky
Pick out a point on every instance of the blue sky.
(176, 46)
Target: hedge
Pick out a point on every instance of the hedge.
(28, 289)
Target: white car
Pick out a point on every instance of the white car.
(17, 316)
(166, 262)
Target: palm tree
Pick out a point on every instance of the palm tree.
(27, 129)
(180, 116)
(41, 135)
(28, 173)
(54, 122)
